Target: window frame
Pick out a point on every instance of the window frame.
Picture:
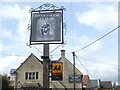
(31, 75)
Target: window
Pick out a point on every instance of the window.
(31, 75)
(26, 76)
(36, 75)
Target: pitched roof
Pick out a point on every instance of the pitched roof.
(27, 59)
(63, 56)
(85, 79)
(106, 84)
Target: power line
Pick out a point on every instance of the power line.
(84, 67)
(12, 55)
(97, 39)
(76, 50)
(92, 42)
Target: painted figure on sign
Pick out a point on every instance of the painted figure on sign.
(45, 30)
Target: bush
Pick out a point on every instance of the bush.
(5, 82)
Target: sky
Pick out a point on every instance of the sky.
(85, 21)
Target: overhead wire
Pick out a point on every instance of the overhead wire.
(12, 55)
(78, 49)
(90, 45)
(73, 37)
(97, 39)
(84, 67)
(84, 47)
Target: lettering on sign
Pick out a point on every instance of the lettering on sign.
(57, 67)
(78, 78)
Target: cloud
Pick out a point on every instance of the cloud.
(1, 47)
(99, 16)
(14, 11)
(8, 34)
(90, 50)
(80, 41)
(99, 68)
(77, 43)
(22, 16)
(17, 35)
(100, 63)
(95, 59)
(109, 68)
(10, 62)
(13, 39)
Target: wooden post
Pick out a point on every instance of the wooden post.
(74, 67)
(46, 63)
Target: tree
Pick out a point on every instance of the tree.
(5, 81)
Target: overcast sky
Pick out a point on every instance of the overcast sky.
(85, 22)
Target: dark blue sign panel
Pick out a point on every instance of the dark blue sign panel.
(78, 78)
(57, 76)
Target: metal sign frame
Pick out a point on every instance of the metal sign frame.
(49, 41)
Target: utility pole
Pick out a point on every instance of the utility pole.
(46, 63)
(74, 67)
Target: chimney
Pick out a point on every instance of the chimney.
(63, 53)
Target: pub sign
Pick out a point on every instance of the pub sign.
(46, 27)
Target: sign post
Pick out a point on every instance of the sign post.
(46, 63)
(46, 28)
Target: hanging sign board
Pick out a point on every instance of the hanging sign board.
(57, 70)
(46, 27)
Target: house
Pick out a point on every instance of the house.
(86, 81)
(94, 84)
(68, 73)
(105, 85)
(30, 74)
(12, 77)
